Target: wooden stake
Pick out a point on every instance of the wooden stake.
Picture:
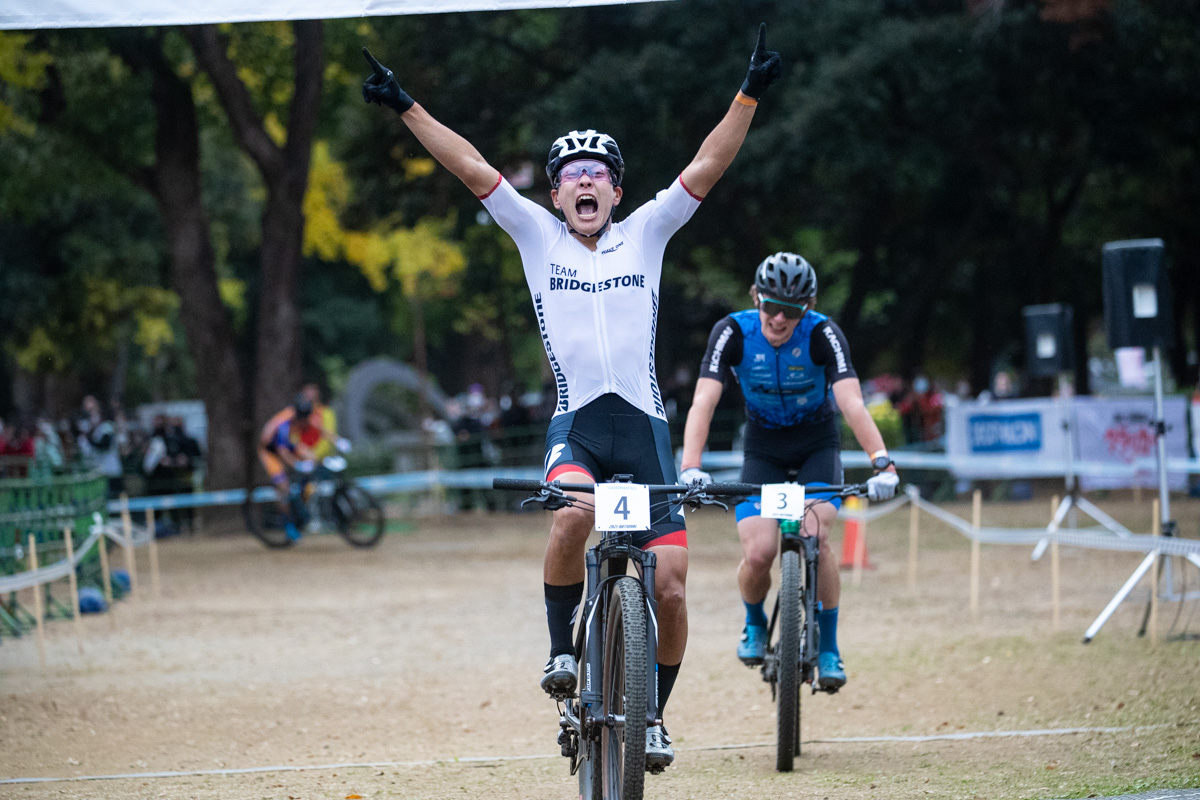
(913, 516)
(1054, 582)
(130, 557)
(1156, 523)
(1153, 621)
(976, 521)
(154, 584)
(1053, 507)
(105, 573)
(74, 581)
(860, 544)
(38, 612)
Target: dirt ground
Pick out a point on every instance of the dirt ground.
(411, 671)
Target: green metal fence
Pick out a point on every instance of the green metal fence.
(44, 508)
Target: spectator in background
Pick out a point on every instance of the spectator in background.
(921, 410)
(47, 448)
(97, 440)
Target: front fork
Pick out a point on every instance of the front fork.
(604, 563)
(809, 548)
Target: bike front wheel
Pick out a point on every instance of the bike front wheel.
(623, 739)
(787, 653)
(264, 519)
(358, 516)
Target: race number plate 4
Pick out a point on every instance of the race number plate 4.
(622, 507)
(783, 501)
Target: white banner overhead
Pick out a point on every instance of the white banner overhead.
(27, 14)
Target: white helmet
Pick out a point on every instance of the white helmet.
(585, 144)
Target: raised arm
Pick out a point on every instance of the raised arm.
(720, 146)
(449, 149)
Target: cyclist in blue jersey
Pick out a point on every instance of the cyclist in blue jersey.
(594, 281)
(793, 364)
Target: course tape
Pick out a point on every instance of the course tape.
(493, 759)
(1137, 543)
(1039, 468)
(62, 568)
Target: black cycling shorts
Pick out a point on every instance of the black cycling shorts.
(608, 437)
(814, 451)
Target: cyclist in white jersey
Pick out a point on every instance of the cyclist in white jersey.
(595, 284)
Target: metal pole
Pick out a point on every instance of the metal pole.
(1160, 432)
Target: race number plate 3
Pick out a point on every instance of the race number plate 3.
(622, 507)
(783, 501)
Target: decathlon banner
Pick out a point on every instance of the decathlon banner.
(1120, 431)
(27, 14)
(1006, 438)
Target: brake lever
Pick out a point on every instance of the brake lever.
(549, 499)
(696, 498)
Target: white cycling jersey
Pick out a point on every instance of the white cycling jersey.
(597, 311)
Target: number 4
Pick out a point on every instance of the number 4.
(623, 507)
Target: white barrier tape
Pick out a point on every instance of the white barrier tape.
(51, 572)
(1039, 468)
(59, 570)
(1136, 543)
(431, 762)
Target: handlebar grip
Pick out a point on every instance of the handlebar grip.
(517, 484)
(733, 488)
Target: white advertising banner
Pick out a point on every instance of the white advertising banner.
(1120, 431)
(1006, 438)
(20, 15)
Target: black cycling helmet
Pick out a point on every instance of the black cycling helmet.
(585, 144)
(786, 276)
(302, 405)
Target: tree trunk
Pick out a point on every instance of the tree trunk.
(285, 173)
(210, 337)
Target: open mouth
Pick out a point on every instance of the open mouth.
(586, 206)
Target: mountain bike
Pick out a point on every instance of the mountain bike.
(322, 499)
(602, 728)
(792, 633)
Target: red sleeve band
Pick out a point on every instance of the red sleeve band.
(496, 186)
(697, 197)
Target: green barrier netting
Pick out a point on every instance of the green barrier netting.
(45, 507)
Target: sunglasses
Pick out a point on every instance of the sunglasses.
(596, 170)
(771, 307)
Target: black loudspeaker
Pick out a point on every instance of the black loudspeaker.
(1137, 303)
(1049, 344)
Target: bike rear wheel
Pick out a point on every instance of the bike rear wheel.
(265, 520)
(358, 515)
(787, 652)
(623, 743)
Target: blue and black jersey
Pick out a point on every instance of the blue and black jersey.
(784, 386)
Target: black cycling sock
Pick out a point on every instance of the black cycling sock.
(666, 682)
(561, 604)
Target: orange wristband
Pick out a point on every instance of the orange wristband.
(746, 101)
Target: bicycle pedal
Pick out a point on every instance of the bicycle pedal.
(655, 769)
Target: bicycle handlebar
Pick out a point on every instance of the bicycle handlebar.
(710, 489)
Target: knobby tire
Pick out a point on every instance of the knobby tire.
(358, 516)
(265, 521)
(623, 748)
(787, 719)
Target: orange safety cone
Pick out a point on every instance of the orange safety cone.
(854, 536)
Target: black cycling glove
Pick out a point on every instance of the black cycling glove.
(382, 87)
(765, 67)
